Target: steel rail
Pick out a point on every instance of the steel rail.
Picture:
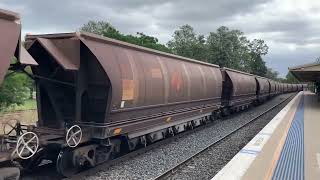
(176, 167)
(133, 154)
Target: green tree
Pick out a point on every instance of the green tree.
(290, 78)
(228, 48)
(100, 28)
(146, 41)
(258, 47)
(256, 65)
(231, 48)
(271, 74)
(14, 90)
(106, 29)
(187, 43)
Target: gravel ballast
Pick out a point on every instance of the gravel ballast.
(155, 162)
(211, 161)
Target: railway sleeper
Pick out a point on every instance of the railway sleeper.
(73, 160)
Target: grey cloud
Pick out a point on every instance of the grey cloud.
(294, 29)
(161, 17)
(166, 14)
(281, 60)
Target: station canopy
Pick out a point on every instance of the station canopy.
(307, 72)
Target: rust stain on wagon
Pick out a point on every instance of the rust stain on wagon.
(176, 81)
(127, 89)
(156, 73)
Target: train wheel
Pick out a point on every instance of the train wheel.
(30, 164)
(65, 164)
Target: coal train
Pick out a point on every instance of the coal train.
(98, 97)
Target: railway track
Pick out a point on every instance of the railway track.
(172, 170)
(132, 154)
(48, 169)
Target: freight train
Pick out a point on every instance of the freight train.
(98, 97)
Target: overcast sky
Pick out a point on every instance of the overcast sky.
(291, 28)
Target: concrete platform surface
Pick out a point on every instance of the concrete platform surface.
(287, 148)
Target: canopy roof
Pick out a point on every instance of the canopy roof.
(307, 72)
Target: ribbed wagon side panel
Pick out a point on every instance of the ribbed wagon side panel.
(286, 87)
(244, 87)
(276, 87)
(214, 82)
(243, 84)
(106, 55)
(152, 83)
(263, 88)
(273, 88)
(264, 85)
(282, 88)
(289, 87)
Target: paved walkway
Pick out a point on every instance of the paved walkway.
(287, 148)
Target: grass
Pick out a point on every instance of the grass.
(25, 113)
(30, 104)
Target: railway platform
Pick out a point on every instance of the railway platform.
(287, 148)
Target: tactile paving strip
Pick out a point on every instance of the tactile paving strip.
(291, 162)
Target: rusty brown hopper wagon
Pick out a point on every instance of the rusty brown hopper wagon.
(273, 87)
(282, 87)
(97, 81)
(10, 49)
(114, 89)
(98, 98)
(239, 89)
(10, 43)
(263, 88)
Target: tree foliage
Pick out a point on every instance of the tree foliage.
(290, 78)
(14, 90)
(228, 48)
(225, 47)
(107, 30)
(187, 43)
(100, 28)
(256, 65)
(271, 74)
